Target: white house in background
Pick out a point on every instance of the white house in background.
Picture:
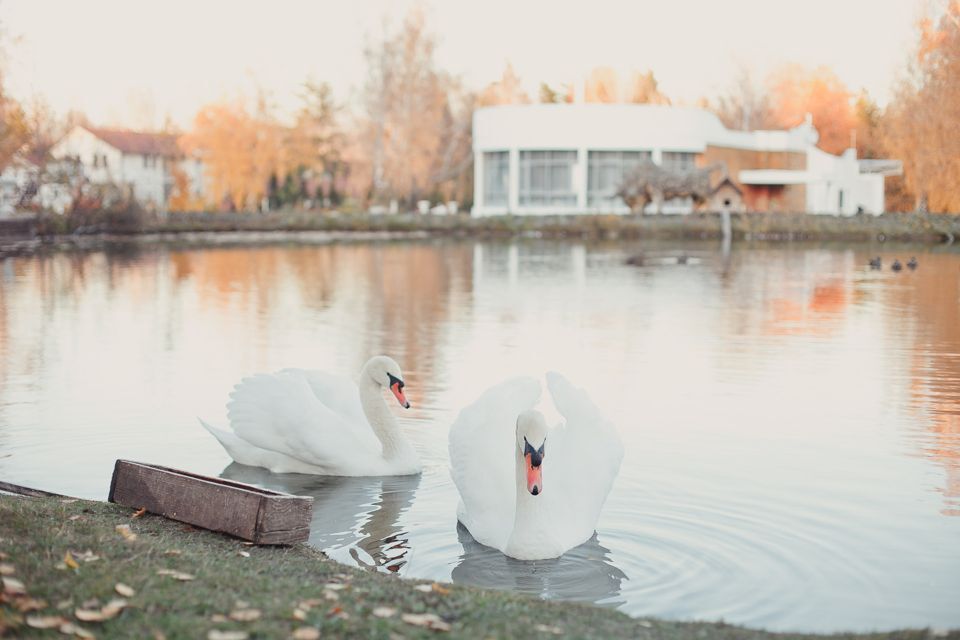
(571, 158)
(143, 161)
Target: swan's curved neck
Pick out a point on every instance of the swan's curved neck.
(382, 422)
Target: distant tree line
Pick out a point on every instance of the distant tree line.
(409, 136)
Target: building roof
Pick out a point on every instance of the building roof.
(139, 142)
(725, 182)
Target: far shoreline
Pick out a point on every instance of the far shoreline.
(30, 235)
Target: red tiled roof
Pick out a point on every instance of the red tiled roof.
(155, 144)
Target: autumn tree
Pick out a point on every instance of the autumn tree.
(412, 118)
(644, 89)
(549, 95)
(796, 91)
(745, 106)
(922, 123)
(14, 131)
(316, 142)
(506, 90)
(602, 86)
(240, 151)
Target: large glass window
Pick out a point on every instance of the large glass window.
(496, 178)
(679, 160)
(606, 171)
(546, 178)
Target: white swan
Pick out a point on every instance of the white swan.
(299, 421)
(529, 491)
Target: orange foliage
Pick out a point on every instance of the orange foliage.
(796, 91)
(644, 89)
(240, 151)
(506, 90)
(922, 124)
(602, 86)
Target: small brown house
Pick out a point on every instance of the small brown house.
(725, 196)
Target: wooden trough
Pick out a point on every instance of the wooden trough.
(242, 510)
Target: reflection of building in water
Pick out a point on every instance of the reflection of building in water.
(354, 518)
(583, 574)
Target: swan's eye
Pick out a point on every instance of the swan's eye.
(395, 381)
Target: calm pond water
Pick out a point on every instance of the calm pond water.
(791, 419)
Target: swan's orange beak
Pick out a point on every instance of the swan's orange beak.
(534, 475)
(398, 392)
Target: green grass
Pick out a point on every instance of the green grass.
(36, 533)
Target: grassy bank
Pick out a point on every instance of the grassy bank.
(28, 235)
(189, 583)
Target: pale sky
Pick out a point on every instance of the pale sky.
(131, 62)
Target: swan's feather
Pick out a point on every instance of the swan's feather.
(582, 460)
(482, 445)
(247, 454)
(282, 413)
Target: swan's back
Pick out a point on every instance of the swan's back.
(482, 458)
(586, 454)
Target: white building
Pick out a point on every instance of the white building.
(145, 162)
(571, 158)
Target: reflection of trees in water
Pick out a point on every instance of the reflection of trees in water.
(360, 513)
(928, 310)
(583, 574)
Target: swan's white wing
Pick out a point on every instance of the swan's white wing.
(280, 412)
(338, 393)
(247, 454)
(586, 453)
(483, 458)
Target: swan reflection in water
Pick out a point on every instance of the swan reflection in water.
(353, 518)
(583, 574)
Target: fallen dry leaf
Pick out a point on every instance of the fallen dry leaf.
(125, 531)
(13, 586)
(139, 512)
(124, 590)
(245, 615)
(86, 556)
(309, 603)
(217, 634)
(26, 604)
(299, 614)
(427, 620)
(68, 501)
(176, 575)
(3, 555)
(439, 588)
(334, 586)
(546, 628)
(75, 517)
(218, 618)
(109, 611)
(384, 612)
(172, 552)
(69, 561)
(243, 554)
(424, 588)
(306, 633)
(45, 622)
(330, 595)
(7, 569)
(70, 629)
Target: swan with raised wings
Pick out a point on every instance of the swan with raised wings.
(530, 491)
(302, 421)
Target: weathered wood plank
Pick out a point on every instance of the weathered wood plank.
(9, 487)
(242, 510)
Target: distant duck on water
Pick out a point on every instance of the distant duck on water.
(896, 266)
(912, 263)
(875, 263)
